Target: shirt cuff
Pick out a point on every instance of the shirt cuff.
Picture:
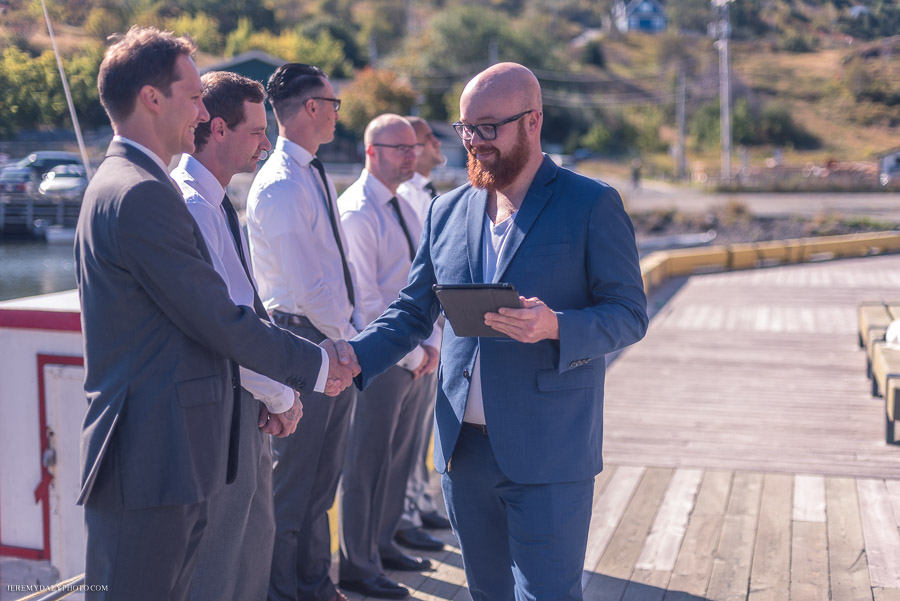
(412, 361)
(323, 373)
(280, 403)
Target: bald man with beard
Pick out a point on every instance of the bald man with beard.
(519, 418)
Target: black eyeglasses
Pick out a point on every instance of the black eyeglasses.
(485, 131)
(336, 102)
(416, 149)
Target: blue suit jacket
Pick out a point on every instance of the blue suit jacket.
(571, 245)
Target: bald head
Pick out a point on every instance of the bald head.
(509, 82)
(385, 126)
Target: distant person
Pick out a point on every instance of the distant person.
(162, 337)
(300, 259)
(382, 233)
(635, 173)
(519, 419)
(420, 510)
(241, 524)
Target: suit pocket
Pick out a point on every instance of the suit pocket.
(549, 380)
(548, 250)
(200, 391)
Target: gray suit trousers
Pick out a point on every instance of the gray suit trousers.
(418, 500)
(236, 549)
(379, 457)
(307, 470)
(138, 554)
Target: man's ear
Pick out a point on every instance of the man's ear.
(218, 126)
(150, 97)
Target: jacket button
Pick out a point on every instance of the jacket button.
(573, 364)
(466, 374)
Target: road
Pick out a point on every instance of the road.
(658, 195)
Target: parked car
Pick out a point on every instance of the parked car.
(44, 160)
(64, 182)
(18, 180)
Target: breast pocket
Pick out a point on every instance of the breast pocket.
(547, 266)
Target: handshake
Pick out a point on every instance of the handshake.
(343, 366)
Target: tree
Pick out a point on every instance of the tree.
(324, 51)
(374, 92)
(204, 30)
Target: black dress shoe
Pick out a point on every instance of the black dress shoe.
(416, 538)
(380, 586)
(406, 563)
(435, 520)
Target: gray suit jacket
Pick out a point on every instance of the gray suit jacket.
(160, 332)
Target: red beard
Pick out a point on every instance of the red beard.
(505, 168)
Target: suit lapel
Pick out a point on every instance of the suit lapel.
(475, 207)
(140, 159)
(535, 200)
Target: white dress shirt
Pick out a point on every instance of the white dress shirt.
(204, 194)
(378, 248)
(417, 195)
(419, 198)
(295, 256)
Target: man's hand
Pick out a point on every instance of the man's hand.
(429, 362)
(534, 322)
(281, 424)
(342, 366)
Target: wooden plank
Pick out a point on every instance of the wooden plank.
(849, 574)
(731, 567)
(882, 544)
(809, 499)
(690, 576)
(617, 563)
(770, 575)
(607, 512)
(893, 488)
(809, 562)
(661, 549)
(884, 594)
(646, 585)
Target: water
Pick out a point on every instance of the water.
(28, 268)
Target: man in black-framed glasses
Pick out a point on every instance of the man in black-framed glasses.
(519, 416)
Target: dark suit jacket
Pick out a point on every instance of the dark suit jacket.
(160, 332)
(571, 245)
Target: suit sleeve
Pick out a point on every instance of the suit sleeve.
(405, 323)
(618, 316)
(160, 245)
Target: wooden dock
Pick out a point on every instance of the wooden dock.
(745, 456)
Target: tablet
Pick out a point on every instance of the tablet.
(466, 304)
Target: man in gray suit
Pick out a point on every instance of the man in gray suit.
(162, 337)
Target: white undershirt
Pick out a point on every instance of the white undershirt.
(494, 237)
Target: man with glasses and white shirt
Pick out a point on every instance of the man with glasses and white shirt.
(301, 264)
(382, 234)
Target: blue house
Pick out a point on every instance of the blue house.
(646, 16)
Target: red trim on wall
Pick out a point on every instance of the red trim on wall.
(40, 320)
(42, 361)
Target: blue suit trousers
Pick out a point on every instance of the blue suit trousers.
(519, 541)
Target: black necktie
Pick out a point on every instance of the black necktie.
(348, 281)
(431, 189)
(235, 227)
(412, 248)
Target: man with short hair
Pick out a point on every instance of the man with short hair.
(299, 256)
(519, 418)
(241, 527)
(162, 337)
(419, 508)
(382, 233)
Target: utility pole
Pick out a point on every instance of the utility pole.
(680, 118)
(724, 32)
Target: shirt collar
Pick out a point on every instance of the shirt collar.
(156, 159)
(418, 180)
(204, 182)
(377, 191)
(294, 150)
